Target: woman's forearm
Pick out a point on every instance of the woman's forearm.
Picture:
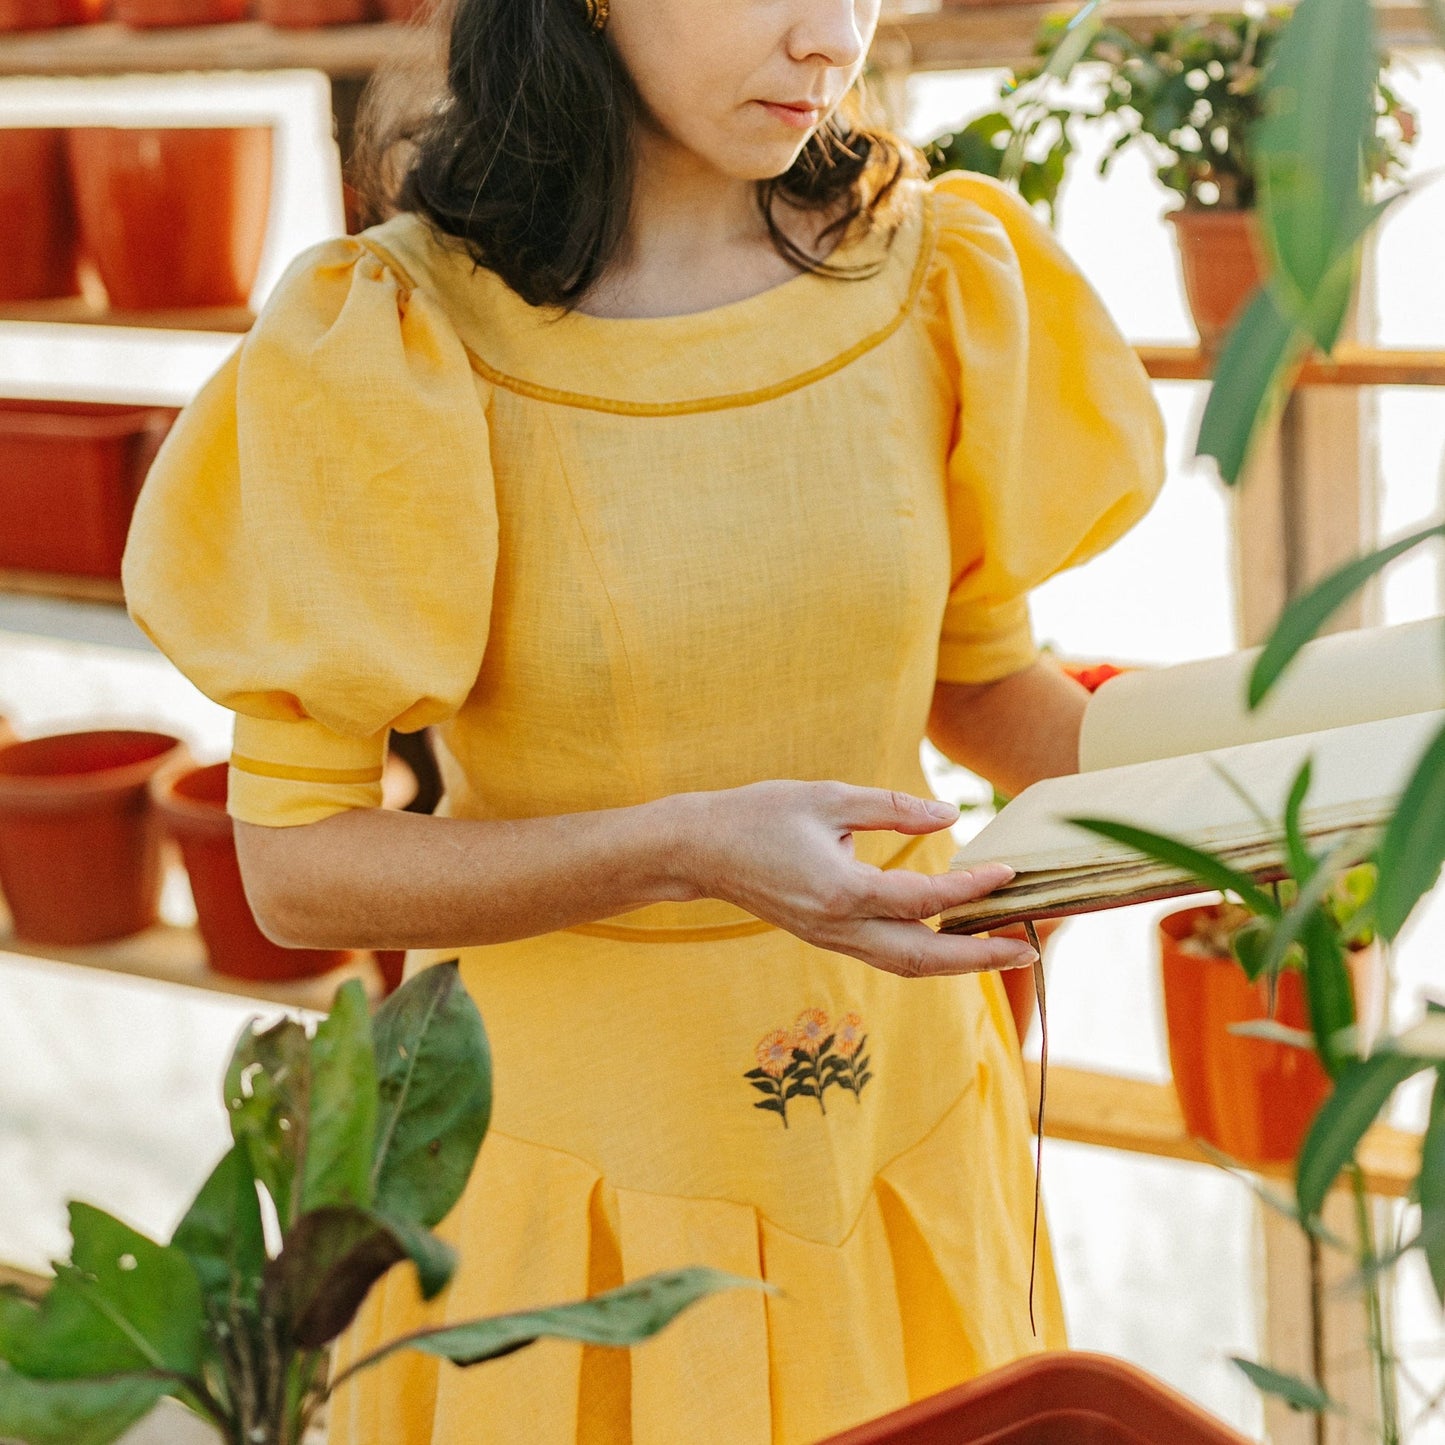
(1012, 732)
(374, 878)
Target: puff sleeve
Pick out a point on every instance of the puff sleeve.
(316, 543)
(1058, 445)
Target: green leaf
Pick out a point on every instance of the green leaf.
(1261, 349)
(1301, 862)
(1250, 946)
(1362, 1089)
(1297, 1393)
(331, 1258)
(624, 1316)
(1212, 872)
(342, 1107)
(267, 1097)
(1274, 1032)
(1413, 847)
(73, 1412)
(222, 1234)
(1431, 1188)
(435, 1073)
(124, 1304)
(1327, 986)
(1320, 116)
(1304, 617)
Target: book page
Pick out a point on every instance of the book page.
(1337, 680)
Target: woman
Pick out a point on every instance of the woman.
(684, 458)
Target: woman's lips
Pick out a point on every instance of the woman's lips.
(800, 115)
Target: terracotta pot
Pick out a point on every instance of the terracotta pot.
(156, 14)
(1061, 1398)
(7, 733)
(174, 217)
(311, 14)
(47, 14)
(191, 803)
(1222, 256)
(69, 477)
(1251, 1098)
(80, 854)
(39, 239)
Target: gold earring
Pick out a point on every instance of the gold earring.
(597, 14)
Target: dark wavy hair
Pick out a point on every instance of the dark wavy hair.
(524, 151)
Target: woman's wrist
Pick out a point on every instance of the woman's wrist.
(677, 829)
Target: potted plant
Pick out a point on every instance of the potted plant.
(39, 243)
(1248, 1082)
(359, 1139)
(1192, 96)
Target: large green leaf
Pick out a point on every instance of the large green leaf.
(267, 1097)
(1260, 351)
(124, 1304)
(1413, 847)
(72, 1412)
(1297, 1393)
(1327, 985)
(342, 1107)
(1362, 1089)
(331, 1258)
(1304, 617)
(1210, 871)
(1309, 153)
(624, 1316)
(1432, 1188)
(222, 1234)
(435, 1074)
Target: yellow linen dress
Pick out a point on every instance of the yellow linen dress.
(617, 559)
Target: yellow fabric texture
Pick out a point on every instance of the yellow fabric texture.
(616, 559)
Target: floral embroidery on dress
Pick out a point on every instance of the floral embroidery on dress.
(808, 1059)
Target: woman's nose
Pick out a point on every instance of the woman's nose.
(831, 30)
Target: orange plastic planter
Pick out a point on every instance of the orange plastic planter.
(1062, 1398)
(79, 848)
(1222, 257)
(1252, 1098)
(47, 14)
(311, 14)
(39, 239)
(69, 477)
(157, 14)
(173, 217)
(191, 803)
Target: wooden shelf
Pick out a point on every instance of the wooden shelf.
(971, 36)
(342, 51)
(77, 311)
(1349, 366)
(61, 585)
(1143, 1118)
(167, 954)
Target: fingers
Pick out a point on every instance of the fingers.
(872, 808)
(901, 893)
(914, 950)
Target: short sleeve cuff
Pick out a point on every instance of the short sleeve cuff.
(284, 774)
(983, 644)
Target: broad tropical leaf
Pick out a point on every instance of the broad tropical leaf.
(624, 1316)
(1209, 870)
(222, 1234)
(1297, 1393)
(1304, 617)
(123, 1305)
(1362, 1088)
(343, 1105)
(72, 1412)
(267, 1098)
(435, 1074)
(1413, 847)
(1432, 1188)
(1328, 988)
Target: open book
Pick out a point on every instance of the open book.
(1176, 751)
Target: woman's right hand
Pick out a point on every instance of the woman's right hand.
(784, 852)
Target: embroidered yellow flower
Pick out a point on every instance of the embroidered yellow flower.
(775, 1052)
(849, 1035)
(810, 1029)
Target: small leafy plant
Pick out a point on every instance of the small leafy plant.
(1192, 95)
(356, 1141)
